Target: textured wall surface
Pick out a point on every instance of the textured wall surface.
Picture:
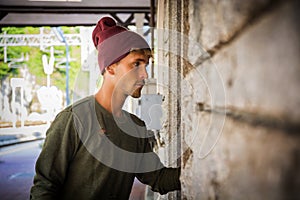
(237, 80)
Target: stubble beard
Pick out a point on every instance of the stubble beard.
(136, 93)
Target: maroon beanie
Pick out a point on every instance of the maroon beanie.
(114, 42)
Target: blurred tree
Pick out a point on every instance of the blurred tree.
(34, 63)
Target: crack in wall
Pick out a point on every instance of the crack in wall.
(254, 119)
(255, 17)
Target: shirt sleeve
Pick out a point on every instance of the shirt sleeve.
(57, 152)
(162, 180)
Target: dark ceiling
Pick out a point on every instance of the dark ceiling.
(71, 12)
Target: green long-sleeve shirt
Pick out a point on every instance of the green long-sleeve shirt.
(89, 154)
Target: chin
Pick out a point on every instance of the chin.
(136, 93)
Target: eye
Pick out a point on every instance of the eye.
(137, 64)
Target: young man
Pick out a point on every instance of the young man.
(94, 149)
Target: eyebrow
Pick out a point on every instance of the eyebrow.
(141, 60)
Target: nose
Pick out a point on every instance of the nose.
(143, 73)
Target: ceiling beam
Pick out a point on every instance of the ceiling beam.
(78, 10)
(2, 14)
(27, 13)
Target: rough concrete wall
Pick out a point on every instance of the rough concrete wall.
(169, 82)
(241, 139)
(239, 70)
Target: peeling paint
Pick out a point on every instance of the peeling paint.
(186, 156)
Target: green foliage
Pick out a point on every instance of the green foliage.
(34, 63)
(70, 30)
(6, 71)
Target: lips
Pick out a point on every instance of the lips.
(140, 84)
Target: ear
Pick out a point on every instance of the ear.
(111, 69)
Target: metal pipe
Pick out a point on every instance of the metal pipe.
(152, 12)
(62, 38)
(67, 73)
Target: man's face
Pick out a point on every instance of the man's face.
(131, 73)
